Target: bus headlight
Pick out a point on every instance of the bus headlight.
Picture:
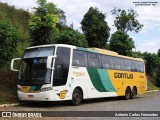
(46, 89)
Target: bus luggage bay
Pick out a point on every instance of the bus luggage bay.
(60, 72)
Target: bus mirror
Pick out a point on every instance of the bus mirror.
(12, 64)
(50, 62)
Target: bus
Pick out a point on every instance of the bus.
(59, 72)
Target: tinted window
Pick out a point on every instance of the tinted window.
(118, 63)
(134, 66)
(79, 58)
(127, 64)
(93, 60)
(107, 62)
(39, 52)
(140, 66)
(61, 66)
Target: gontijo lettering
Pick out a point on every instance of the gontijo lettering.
(123, 75)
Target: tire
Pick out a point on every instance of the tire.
(127, 93)
(133, 93)
(76, 97)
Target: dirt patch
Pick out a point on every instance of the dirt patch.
(8, 87)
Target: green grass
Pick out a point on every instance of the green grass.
(151, 86)
(2, 101)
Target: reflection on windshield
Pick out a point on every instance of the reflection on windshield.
(39, 52)
(34, 71)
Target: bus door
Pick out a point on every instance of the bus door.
(61, 70)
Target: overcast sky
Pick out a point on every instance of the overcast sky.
(146, 40)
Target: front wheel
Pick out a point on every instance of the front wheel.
(76, 97)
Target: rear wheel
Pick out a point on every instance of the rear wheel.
(133, 93)
(76, 97)
(127, 93)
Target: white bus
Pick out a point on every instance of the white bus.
(60, 72)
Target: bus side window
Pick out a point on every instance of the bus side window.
(118, 63)
(140, 66)
(79, 58)
(76, 63)
(127, 64)
(107, 62)
(93, 60)
(134, 67)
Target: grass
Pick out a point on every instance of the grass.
(2, 101)
(151, 86)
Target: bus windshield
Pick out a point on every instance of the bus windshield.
(33, 67)
(34, 72)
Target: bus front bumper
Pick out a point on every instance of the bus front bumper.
(38, 96)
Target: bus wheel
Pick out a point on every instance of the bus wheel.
(76, 97)
(133, 93)
(127, 93)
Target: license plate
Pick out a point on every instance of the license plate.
(30, 96)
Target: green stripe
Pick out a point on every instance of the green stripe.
(100, 80)
(96, 80)
(106, 80)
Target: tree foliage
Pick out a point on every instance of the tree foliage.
(43, 23)
(8, 41)
(126, 21)
(152, 62)
(121, 42)
(158, 53)
(95, 28)
(72, 38)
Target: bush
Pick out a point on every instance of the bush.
(8, 41)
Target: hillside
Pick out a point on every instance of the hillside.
(19, 19)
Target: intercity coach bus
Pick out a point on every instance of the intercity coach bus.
(60, 72)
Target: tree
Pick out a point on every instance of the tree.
(62, 17)
(158, 53)
(121, 42)
(126, 21)
(8, 41)
(158, 77)
(72, 38)
(152, 62)
(43, 23)
(95, 28)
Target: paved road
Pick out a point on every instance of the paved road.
(146, 102)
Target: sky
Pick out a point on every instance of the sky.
(148, 39)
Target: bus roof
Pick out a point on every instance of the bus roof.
(50, 45)
(112, 53)
(96, 50)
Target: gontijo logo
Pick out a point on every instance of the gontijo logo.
(123, 75)
(62, 94)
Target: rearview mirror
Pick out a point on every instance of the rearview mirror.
(50, 62)
(12, 64)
